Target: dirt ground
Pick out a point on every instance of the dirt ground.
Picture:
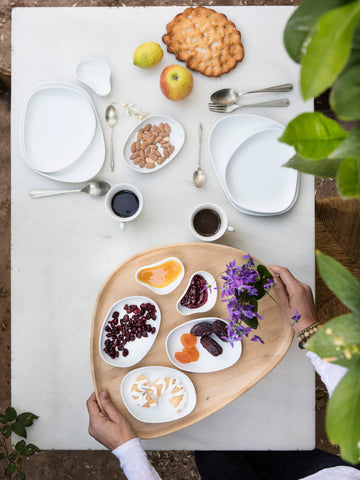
(69, 465)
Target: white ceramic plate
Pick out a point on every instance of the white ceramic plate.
(95, 74)
(164, 411)
(58, 124)
(206, 362)
(226, 136)
(211, 300)
(140, 346)
(90, 162)
(162, 290)
(177, 137)
(255, 177)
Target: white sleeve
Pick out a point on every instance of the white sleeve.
(134, 461)
(330, 373)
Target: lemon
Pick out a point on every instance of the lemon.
(147, 55)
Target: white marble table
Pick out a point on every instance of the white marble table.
(63, 248)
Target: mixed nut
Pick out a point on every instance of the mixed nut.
(152, 146)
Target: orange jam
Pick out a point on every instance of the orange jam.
(161, 275)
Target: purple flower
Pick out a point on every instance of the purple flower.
(256, 338)
(270, 283)
(295, 318)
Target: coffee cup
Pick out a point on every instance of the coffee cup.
(124, 203)
(208, 222)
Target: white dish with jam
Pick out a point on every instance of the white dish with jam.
(163, 411)
(138, 347)
(206, 362)
(161, 277)
(207, 298)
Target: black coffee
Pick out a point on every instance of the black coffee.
(207, 222)
(125, 203)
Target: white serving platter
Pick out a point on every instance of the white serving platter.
(57, 126)
(211, 300)
(177, 138)
(226, 137)
(164, 411)
(140, 346)
(206, 363)
(89, 163)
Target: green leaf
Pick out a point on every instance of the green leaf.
(10, 469)
(20, 446)
(10, 414)
(340, 281)
(329, 49)
(6, 431)
(350, 147)
(3, 419)
(338, 341)
(33, 447)
(313, 135)
(348, 178)
(20, 474)
(19, 429)
(252, 322)
(325, 167)
(343, 415)
(26, 419)
(302, 23)
(345, 94)
(263, 272)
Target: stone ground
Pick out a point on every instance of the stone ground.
(70, 465)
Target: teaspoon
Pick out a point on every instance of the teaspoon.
(199, 175)
(229, 96)
(111, 119)
(96, 188)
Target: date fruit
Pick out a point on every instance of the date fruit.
(201, 329)
(220, 329)
(211, 346)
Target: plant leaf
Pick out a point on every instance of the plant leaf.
(345, 94)
(10, 469)
(313, 135)
(33, 447)
(302, 23)
(20, 446)
(10, 414)
(343, 415)
(340, 281)
(350, 147)
(263, 272)
(348, 178)
(329, 49)
(3, 419)
(20, 474)
(26, 419)
(326, 167)
(252, 322)
(6, 431)
(338, 341)
(19, 429)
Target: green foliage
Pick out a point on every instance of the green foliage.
(324, 37)
(11, 460)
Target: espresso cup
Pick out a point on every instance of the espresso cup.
(124, 203)
(208, 222)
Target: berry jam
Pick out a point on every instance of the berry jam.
(196, 295)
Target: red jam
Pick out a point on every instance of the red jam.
(196, 295)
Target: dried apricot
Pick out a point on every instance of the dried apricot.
(192, 352)
(182, 357)
(188, 340)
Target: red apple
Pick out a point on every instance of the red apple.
(176, 82)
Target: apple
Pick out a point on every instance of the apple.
(176, 82)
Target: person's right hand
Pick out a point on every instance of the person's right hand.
(112, 429)
(293, 295)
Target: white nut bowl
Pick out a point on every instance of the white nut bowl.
(211, 300)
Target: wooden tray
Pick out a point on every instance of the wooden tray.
(214, 390)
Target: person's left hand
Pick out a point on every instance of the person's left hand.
(112, 429)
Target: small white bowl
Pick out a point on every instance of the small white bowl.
(206, 362)
(211, 300)
(177, 138)
(95, 74)
(168, 288)
(164, 411)
(140, 346)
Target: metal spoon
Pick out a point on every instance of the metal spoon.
(199, 175)
(96, 188)
(229, 96)
(111, 119)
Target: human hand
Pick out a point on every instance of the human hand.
(112, 429)
(293, 295)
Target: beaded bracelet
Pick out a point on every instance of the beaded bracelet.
(306, 333)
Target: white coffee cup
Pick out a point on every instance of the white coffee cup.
(112, 196)
(219, 215)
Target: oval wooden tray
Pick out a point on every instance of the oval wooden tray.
(214, 390)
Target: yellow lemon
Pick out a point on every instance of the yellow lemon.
(147, 55)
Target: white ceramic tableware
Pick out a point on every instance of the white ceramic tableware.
(211, 299)
(137, 348)
(223, 225)
(206, 362)
(164, 411)
(257, 165)
(95, 74)
(116, 189)
(57, 126)
(168, 288)
(177, 137)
